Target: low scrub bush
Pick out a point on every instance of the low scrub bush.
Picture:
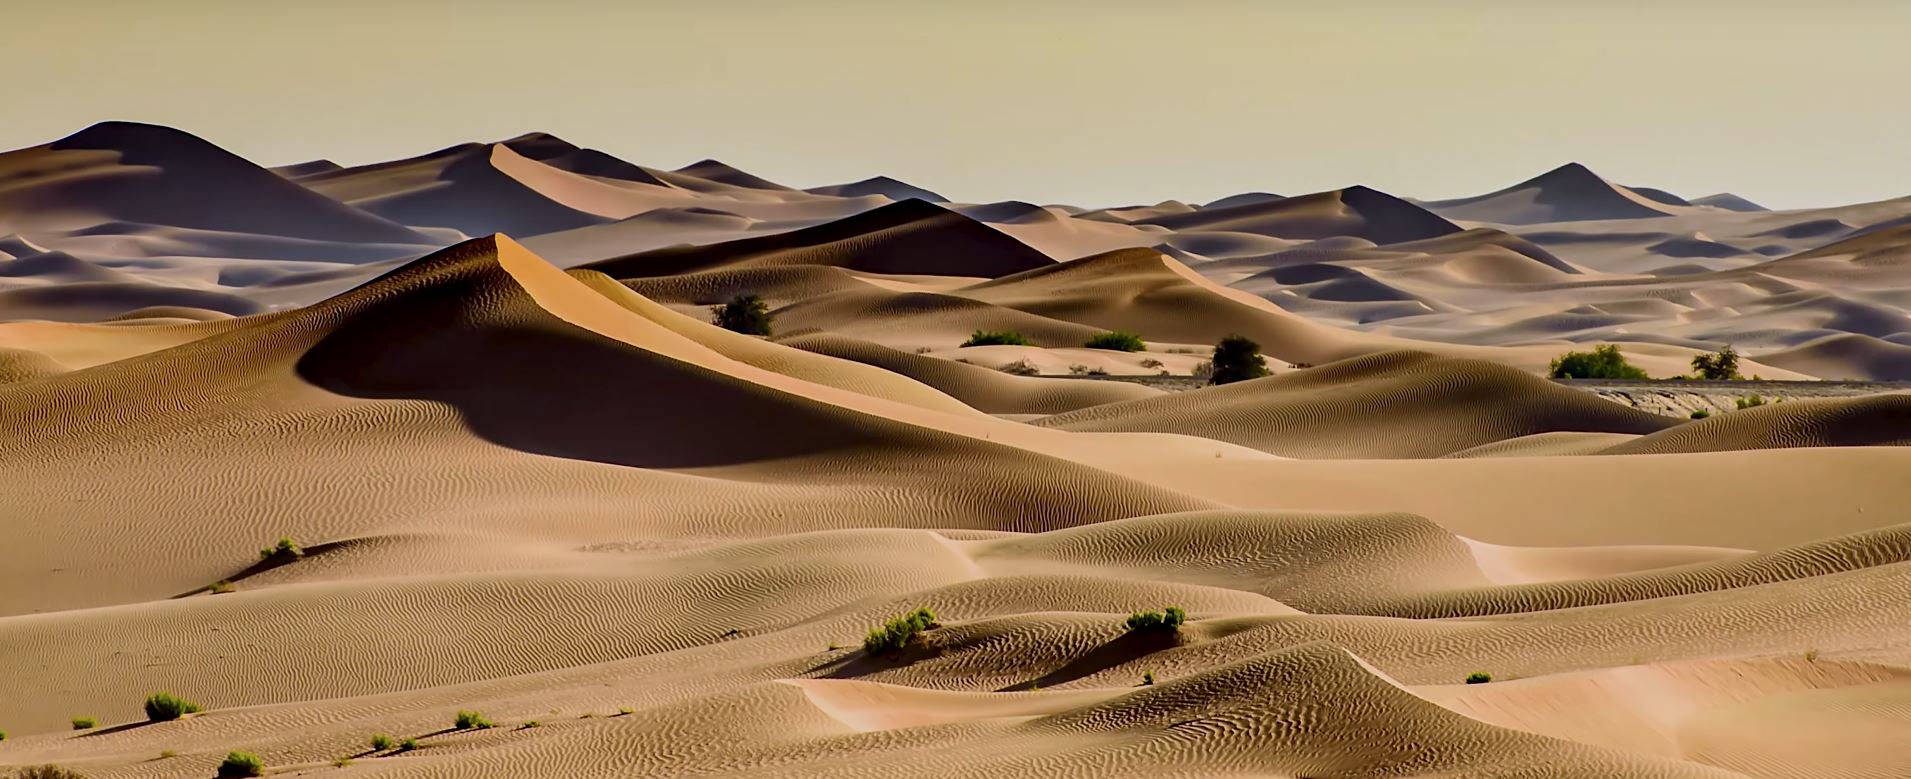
(1479, 677)
(220, 587)
(1167, 620)
(166, 707)
(47, 772)
(898, 632)
(1603, 362)
(408, 745)
(1020, 368)
(241, 764)
(1151, 363)
(1147, 678)
(996, 338)
(471, 720)
(1237, 358)
(746, 314)
(1118, 340)
(85, 723)
(1701, 414)
(285, 549)
(1750, 401)
(380, 742)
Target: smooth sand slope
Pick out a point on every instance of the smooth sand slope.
(643, 545)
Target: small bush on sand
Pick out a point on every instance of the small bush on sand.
(1750, 401)
(285, 549)
(1603, 362)
(746, 314)
(1020, 368)
(408, 745)
(626, 711)
(1701, 413)
(1166, 621)
(220, 587)
(1721, 365)
(1151, 363)
(47, 772)
(241, 764)
(1083, 370)
(471, 720)
(167, 754)
(1203, 370)
(898, 632)
(1237, 358)
(380, 742)
(528, 724)
(85, 723)
(1147, 678)
(996, 338)
(1479, 677)
(1118, 340)
(166, 707)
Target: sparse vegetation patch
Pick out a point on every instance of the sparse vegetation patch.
(899, 631)
(996, 338)
(241, 764)
(1118, 340)
(1167, 620)
(746, 314)
(1603, 362)
(166, 707)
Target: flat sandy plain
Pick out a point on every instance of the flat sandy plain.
(479, 388)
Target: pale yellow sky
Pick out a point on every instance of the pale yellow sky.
(1789, 103)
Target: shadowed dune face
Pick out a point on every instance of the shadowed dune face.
(644, 545)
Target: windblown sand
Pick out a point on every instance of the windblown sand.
(530, 480)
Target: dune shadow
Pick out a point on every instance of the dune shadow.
(267, 564)
(1125, 648)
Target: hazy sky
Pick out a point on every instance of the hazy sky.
(1788, 103)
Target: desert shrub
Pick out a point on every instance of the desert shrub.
(996, 338)
(1701, 413)
(899, 631)
(1721, 365)
(1237, 358)
(1603, 362)
(85, 723)
(1020, 368)
(220, 587)
(1750, 401)
(167, 754)
(47, 772)
(380, 742)
(1083, 370)
(239, 764)
(1167, 620)
(285, 549)
(1147, 678)
(471, 720)
(1479, 677)
(1203, 370)
(626, 711)
(166, 707)
(528, 724)
(408, 745)
(746, 314)
(1117, 340)
(1151, 363)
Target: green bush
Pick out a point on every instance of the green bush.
(528, 724)
(166, 707)
(381, 742)
(85, 723)
(1168, 620)
(220, 587)
(1603, 362)
(1237, 358)
(408, 745)
(471, 720)
(240, 764)
(1750, 401)
(1117, 340)
(996, 338)
(285, 549)
(898, 632)
(746, 314)
(47, 772)
(1701, 413)
(1147, 678)
(1479, 677)
(1718, 366)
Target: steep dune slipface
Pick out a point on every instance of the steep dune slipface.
(1397, 404)
(1356, 211)
(910, 237)
(157, 175)
(1876, 420)
(1568, 193)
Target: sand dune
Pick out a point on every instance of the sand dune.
(564, 499)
